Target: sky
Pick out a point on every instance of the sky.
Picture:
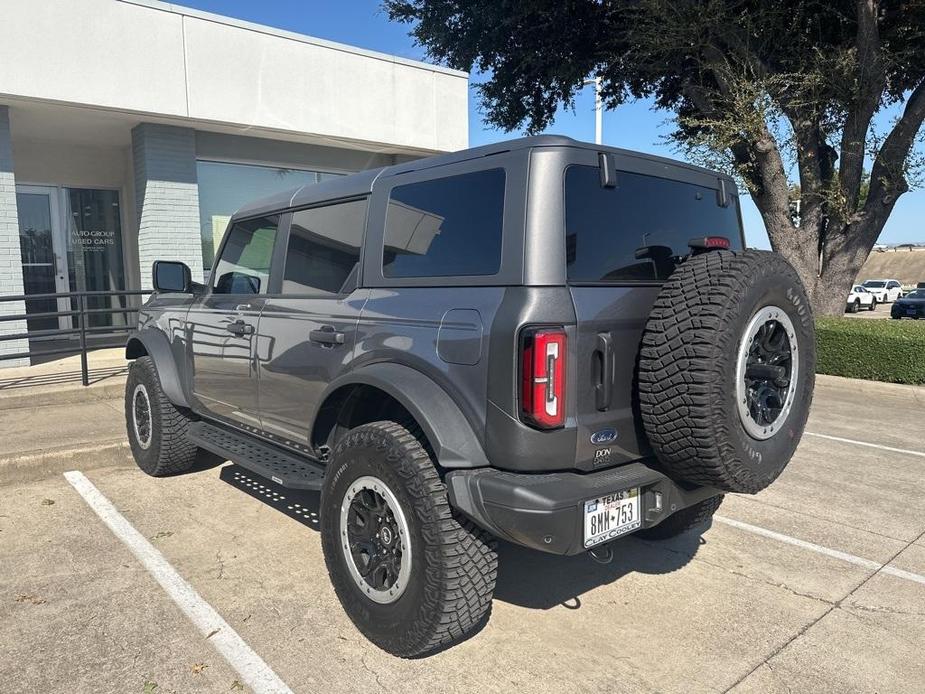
(633, 126)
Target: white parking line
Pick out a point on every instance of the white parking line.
(819, 549)
(250, 666)
(865, 443)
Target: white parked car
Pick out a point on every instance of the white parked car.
(885, 290)
(860, 298)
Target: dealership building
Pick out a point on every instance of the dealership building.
(131, 130)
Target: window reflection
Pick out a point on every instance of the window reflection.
(223, 188)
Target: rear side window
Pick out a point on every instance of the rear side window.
(639, 230)
(446, 227)
(244, 266)
(324, 248)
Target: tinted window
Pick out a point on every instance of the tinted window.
(640, 229)
(244, 267)
(324, 248)
(445, 227)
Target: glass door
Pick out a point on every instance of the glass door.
(44, 255)
(94, 251)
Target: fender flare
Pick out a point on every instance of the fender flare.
(156, 345)
(446, 428)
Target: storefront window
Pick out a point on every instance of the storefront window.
(94, 250)
(223, 188)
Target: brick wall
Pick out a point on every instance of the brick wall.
(10, 257)
(167, 197)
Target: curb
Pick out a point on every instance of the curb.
(43, 464)
(863, 386)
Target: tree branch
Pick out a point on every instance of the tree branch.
(888, 177)
(871, 81)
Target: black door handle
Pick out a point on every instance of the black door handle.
(239, 327)
(326, 335)
(603, 353)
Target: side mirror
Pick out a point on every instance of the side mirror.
(171, 276)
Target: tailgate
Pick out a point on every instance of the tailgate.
(611, 323)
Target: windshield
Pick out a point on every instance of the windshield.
(875, 284)
(640, 229)
(859, 289)
(916, 294)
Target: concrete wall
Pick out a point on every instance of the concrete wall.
(10, 255)
(160, 59)
(167, 198)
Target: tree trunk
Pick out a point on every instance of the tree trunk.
(847, 247)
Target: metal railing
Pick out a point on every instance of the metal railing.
(79, 310)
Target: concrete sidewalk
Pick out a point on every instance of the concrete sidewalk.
(58, 382)
(50, 422)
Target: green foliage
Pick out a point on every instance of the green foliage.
(876, 350)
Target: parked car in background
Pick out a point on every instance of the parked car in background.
(859, 298)
(910, 306)
(885, 290)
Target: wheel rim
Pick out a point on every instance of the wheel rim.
(375, 539)
(141, 416)
(767, 369)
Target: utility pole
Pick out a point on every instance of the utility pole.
(598, 110)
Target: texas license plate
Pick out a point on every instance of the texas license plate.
(611, 515)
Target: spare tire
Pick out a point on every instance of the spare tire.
(727, 368)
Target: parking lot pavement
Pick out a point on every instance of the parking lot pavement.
(882, 311)
(784, 593)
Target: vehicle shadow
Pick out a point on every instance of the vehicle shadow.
(526, 578)
(539, 581)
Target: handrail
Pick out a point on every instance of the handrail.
(82, 313)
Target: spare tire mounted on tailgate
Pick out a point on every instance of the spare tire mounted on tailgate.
(726, 369)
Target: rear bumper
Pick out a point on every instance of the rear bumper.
(544, 511)
(899, 311)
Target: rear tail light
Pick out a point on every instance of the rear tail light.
(542, 389)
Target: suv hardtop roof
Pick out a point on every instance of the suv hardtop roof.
(361, 183)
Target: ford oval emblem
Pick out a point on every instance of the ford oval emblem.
(603, 437)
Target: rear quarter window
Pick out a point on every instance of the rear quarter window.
(445, 227)
(639, 230)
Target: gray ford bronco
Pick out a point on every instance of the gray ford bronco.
(544, 341)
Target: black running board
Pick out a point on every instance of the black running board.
(286, 469)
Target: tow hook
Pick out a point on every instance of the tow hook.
(602, 555)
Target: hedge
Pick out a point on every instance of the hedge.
(876, 350)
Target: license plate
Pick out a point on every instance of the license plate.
(910, 311)
(611, 515)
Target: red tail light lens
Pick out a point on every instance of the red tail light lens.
(542, 390)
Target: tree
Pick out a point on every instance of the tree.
(759, 88)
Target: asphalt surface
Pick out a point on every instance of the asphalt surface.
(816, 584)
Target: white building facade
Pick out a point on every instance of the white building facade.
(130, 131)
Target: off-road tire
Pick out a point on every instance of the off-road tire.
(170, 451)
(684, 520)
(687, 369)
(454, 563)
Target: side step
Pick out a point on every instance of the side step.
(286, 469)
